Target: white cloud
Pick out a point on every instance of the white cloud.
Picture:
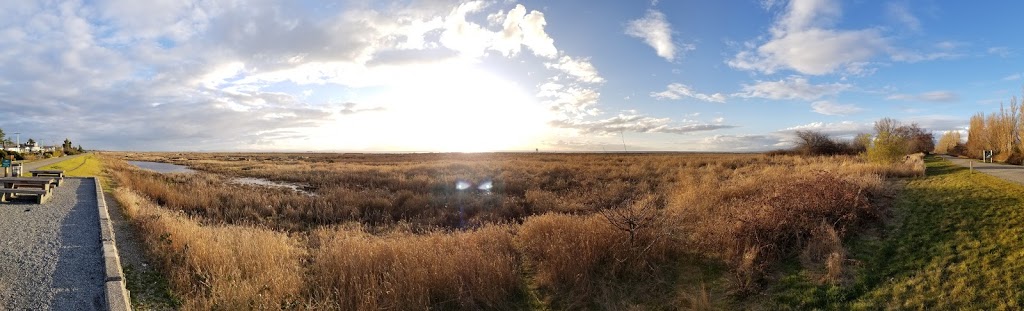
(1012, 77)
(740, 143)
(834, 109)
(933, 96)
(656, 31)
(579, 68)
(632, 122)
(676, 91)
(791, 88)
(802, 41)
(522, 29)
(571, 101)
(197, 73)
(840, 129)
(939, 123)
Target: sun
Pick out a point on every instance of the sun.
(453, 108)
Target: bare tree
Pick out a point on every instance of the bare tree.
(634, 216)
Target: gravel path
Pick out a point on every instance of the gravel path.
(50, 255)
(1014, 173)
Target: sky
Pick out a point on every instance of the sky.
(496, 75)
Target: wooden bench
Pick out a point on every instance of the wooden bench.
(8, 193)
(57, 174)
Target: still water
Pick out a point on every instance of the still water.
(161, 167)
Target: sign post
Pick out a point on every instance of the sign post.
(5, 163)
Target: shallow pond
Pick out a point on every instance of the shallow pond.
(161, 167)
(269, 183)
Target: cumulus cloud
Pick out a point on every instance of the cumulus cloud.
(198, 75)
(677, 91)
(802, 40)
(933, 96)
(632, 122)
(572, 101)
(656, 31)
(578, 68)
(525, 29)
(834, 109)
(794, 87)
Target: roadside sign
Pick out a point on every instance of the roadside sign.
(5, 163)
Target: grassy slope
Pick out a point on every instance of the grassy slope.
(955, 242)
(83, 166)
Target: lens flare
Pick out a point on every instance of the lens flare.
(462, 185)
(485, 186)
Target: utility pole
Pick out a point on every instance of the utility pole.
(18, 143)
(623, 135)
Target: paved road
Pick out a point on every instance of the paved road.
(37, 164)
(1014, 173)
(51, 257)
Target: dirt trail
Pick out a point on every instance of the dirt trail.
(1014, 173)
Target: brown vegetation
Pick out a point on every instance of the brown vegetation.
(1000, 132)
(564, 231)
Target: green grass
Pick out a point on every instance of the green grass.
(956, 241)
(84, 166)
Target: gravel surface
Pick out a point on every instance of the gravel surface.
(50, 255)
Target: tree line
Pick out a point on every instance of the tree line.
(999, 131)
(890, 142)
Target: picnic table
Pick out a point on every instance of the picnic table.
(58, 174)
(37, 186)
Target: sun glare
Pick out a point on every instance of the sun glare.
(456, 108)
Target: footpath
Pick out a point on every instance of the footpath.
(60, 255)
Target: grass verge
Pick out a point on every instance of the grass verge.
(954, 242)
(83, 166)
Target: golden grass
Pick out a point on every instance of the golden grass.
(218, 267)
(83, 166)
(392, 232)
(471, 270)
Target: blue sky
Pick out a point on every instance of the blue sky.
(437, 75)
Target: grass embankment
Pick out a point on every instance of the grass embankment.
(955, 242)
(84, 166)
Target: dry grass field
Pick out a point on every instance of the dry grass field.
(497, 231)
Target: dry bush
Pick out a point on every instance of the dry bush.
(471, 270)
(825, 252)
(756, 216)
(218, 267)
(583, 262)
